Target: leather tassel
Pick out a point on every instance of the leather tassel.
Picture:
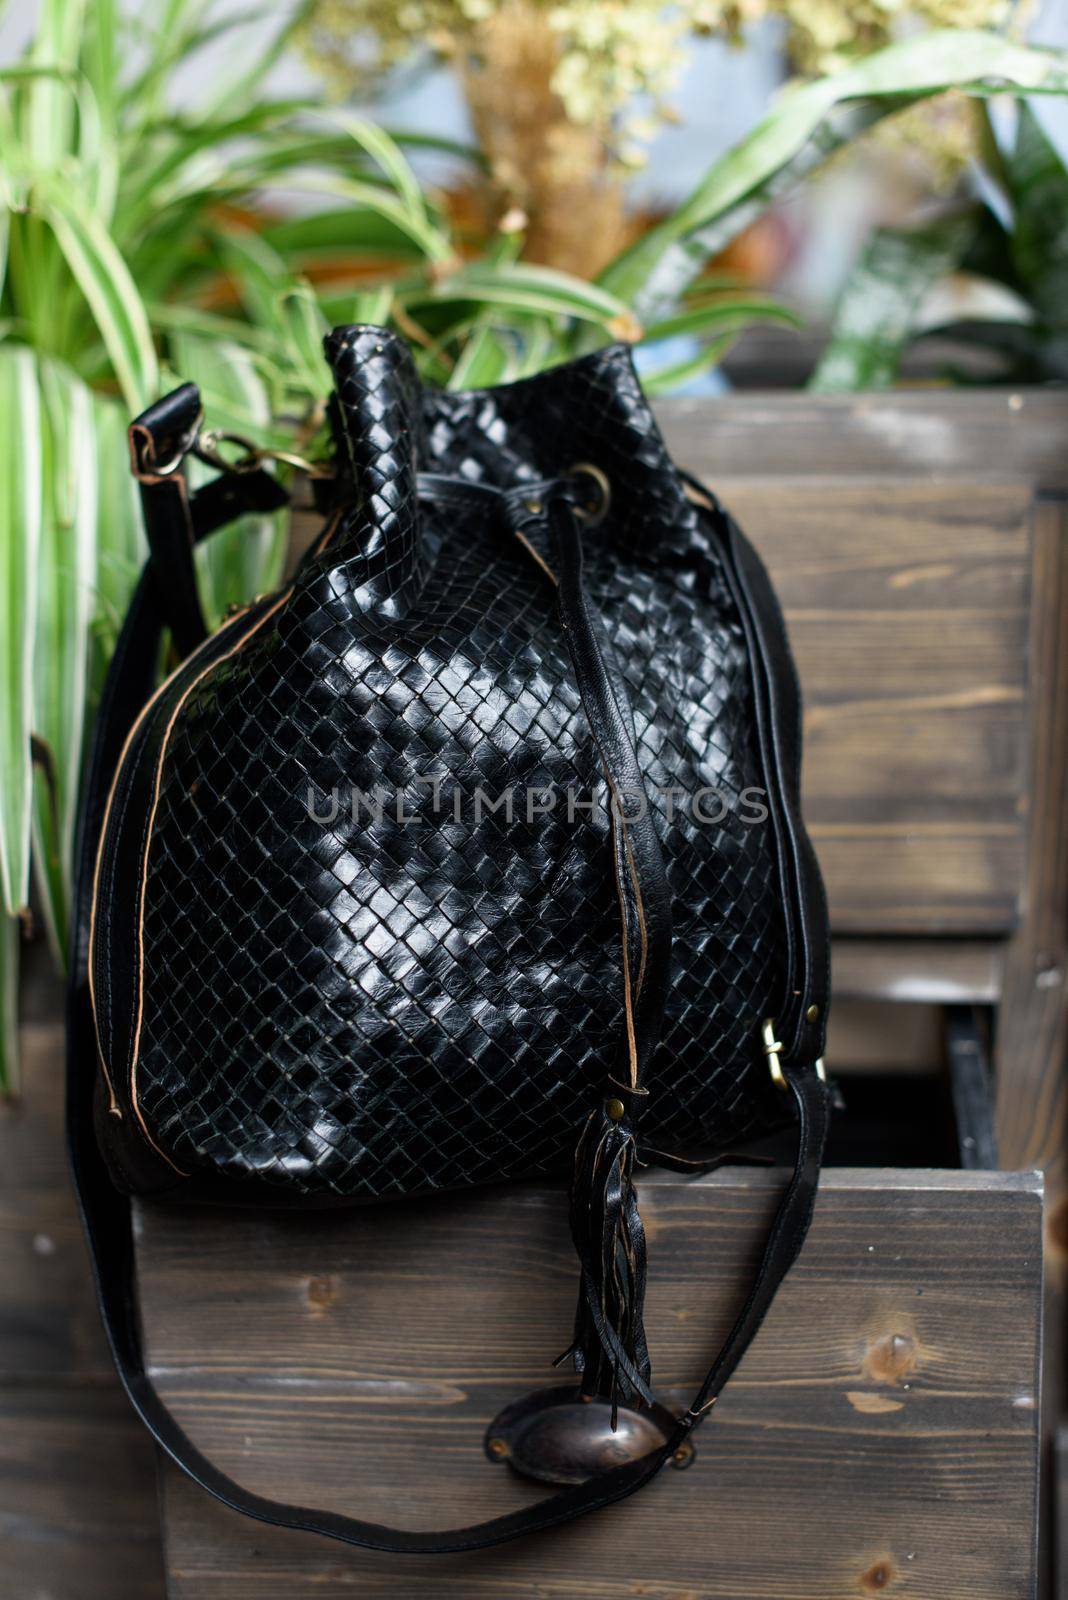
(609, 1348)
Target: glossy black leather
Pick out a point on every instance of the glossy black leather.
(347, 1012)
(458, 615)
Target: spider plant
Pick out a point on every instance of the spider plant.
(1007, 232)
(139, 240)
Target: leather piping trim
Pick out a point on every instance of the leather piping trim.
(138, 723)
(114, 1105)
(143, 873)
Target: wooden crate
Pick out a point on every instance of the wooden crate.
(880, 1436)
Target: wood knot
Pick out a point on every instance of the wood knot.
(322, 1292)
(878, 1576)
(891, 1357)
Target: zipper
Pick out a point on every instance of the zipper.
(237, 619)
(143, 726)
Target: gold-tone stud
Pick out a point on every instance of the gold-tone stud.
(535, 507)
(614, 1110)
(498, 1448)
(683, 1456)
(812, 1014)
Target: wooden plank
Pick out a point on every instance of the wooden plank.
(909, 608)
(78, 1506)
(1060, 1470)
(939, 971)
(78, 1496)
(49, 1325)
(1031, 1109)
(878, 1434)
(929, 433)
(884, 1036)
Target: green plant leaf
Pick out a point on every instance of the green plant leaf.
(801, 130)
(431, 240)
(1038, 187)
(284, 306)
(121, 550)
(49, 126)
(386, 155)
(10, 939)
(350, 232)
(373, 306)
(107, 284)
(176, 318)
(523, 287)
(877, 310)
(67, 569)
(253, 72)
(667, 379)
(722, 313)
(485, 359)
(20, 534)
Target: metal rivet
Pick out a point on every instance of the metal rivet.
(812, 1014)
(535, 507)
(614, 1110)
(498, 1448)
(683, 1456)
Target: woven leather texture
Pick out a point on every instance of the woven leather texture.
(374, 1006)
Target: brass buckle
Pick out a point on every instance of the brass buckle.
(773, 1051)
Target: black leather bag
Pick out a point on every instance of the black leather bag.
(473, 853)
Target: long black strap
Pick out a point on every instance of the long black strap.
(107, 1215)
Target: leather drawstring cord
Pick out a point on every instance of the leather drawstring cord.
(609, 1347)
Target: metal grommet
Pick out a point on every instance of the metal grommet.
(614, 1110)
(594, 508)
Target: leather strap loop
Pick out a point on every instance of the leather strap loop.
(160, 439)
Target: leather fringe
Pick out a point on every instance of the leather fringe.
(609, 1348)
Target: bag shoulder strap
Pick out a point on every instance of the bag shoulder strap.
(107, 1215)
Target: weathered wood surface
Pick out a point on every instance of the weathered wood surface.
(918, 971)
(880, 1434)
(1031, 1058)
(78, 1508)
(908, 608)
(973, 435)
(1060, 1470)
(49, 1325)
(78, 1502)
